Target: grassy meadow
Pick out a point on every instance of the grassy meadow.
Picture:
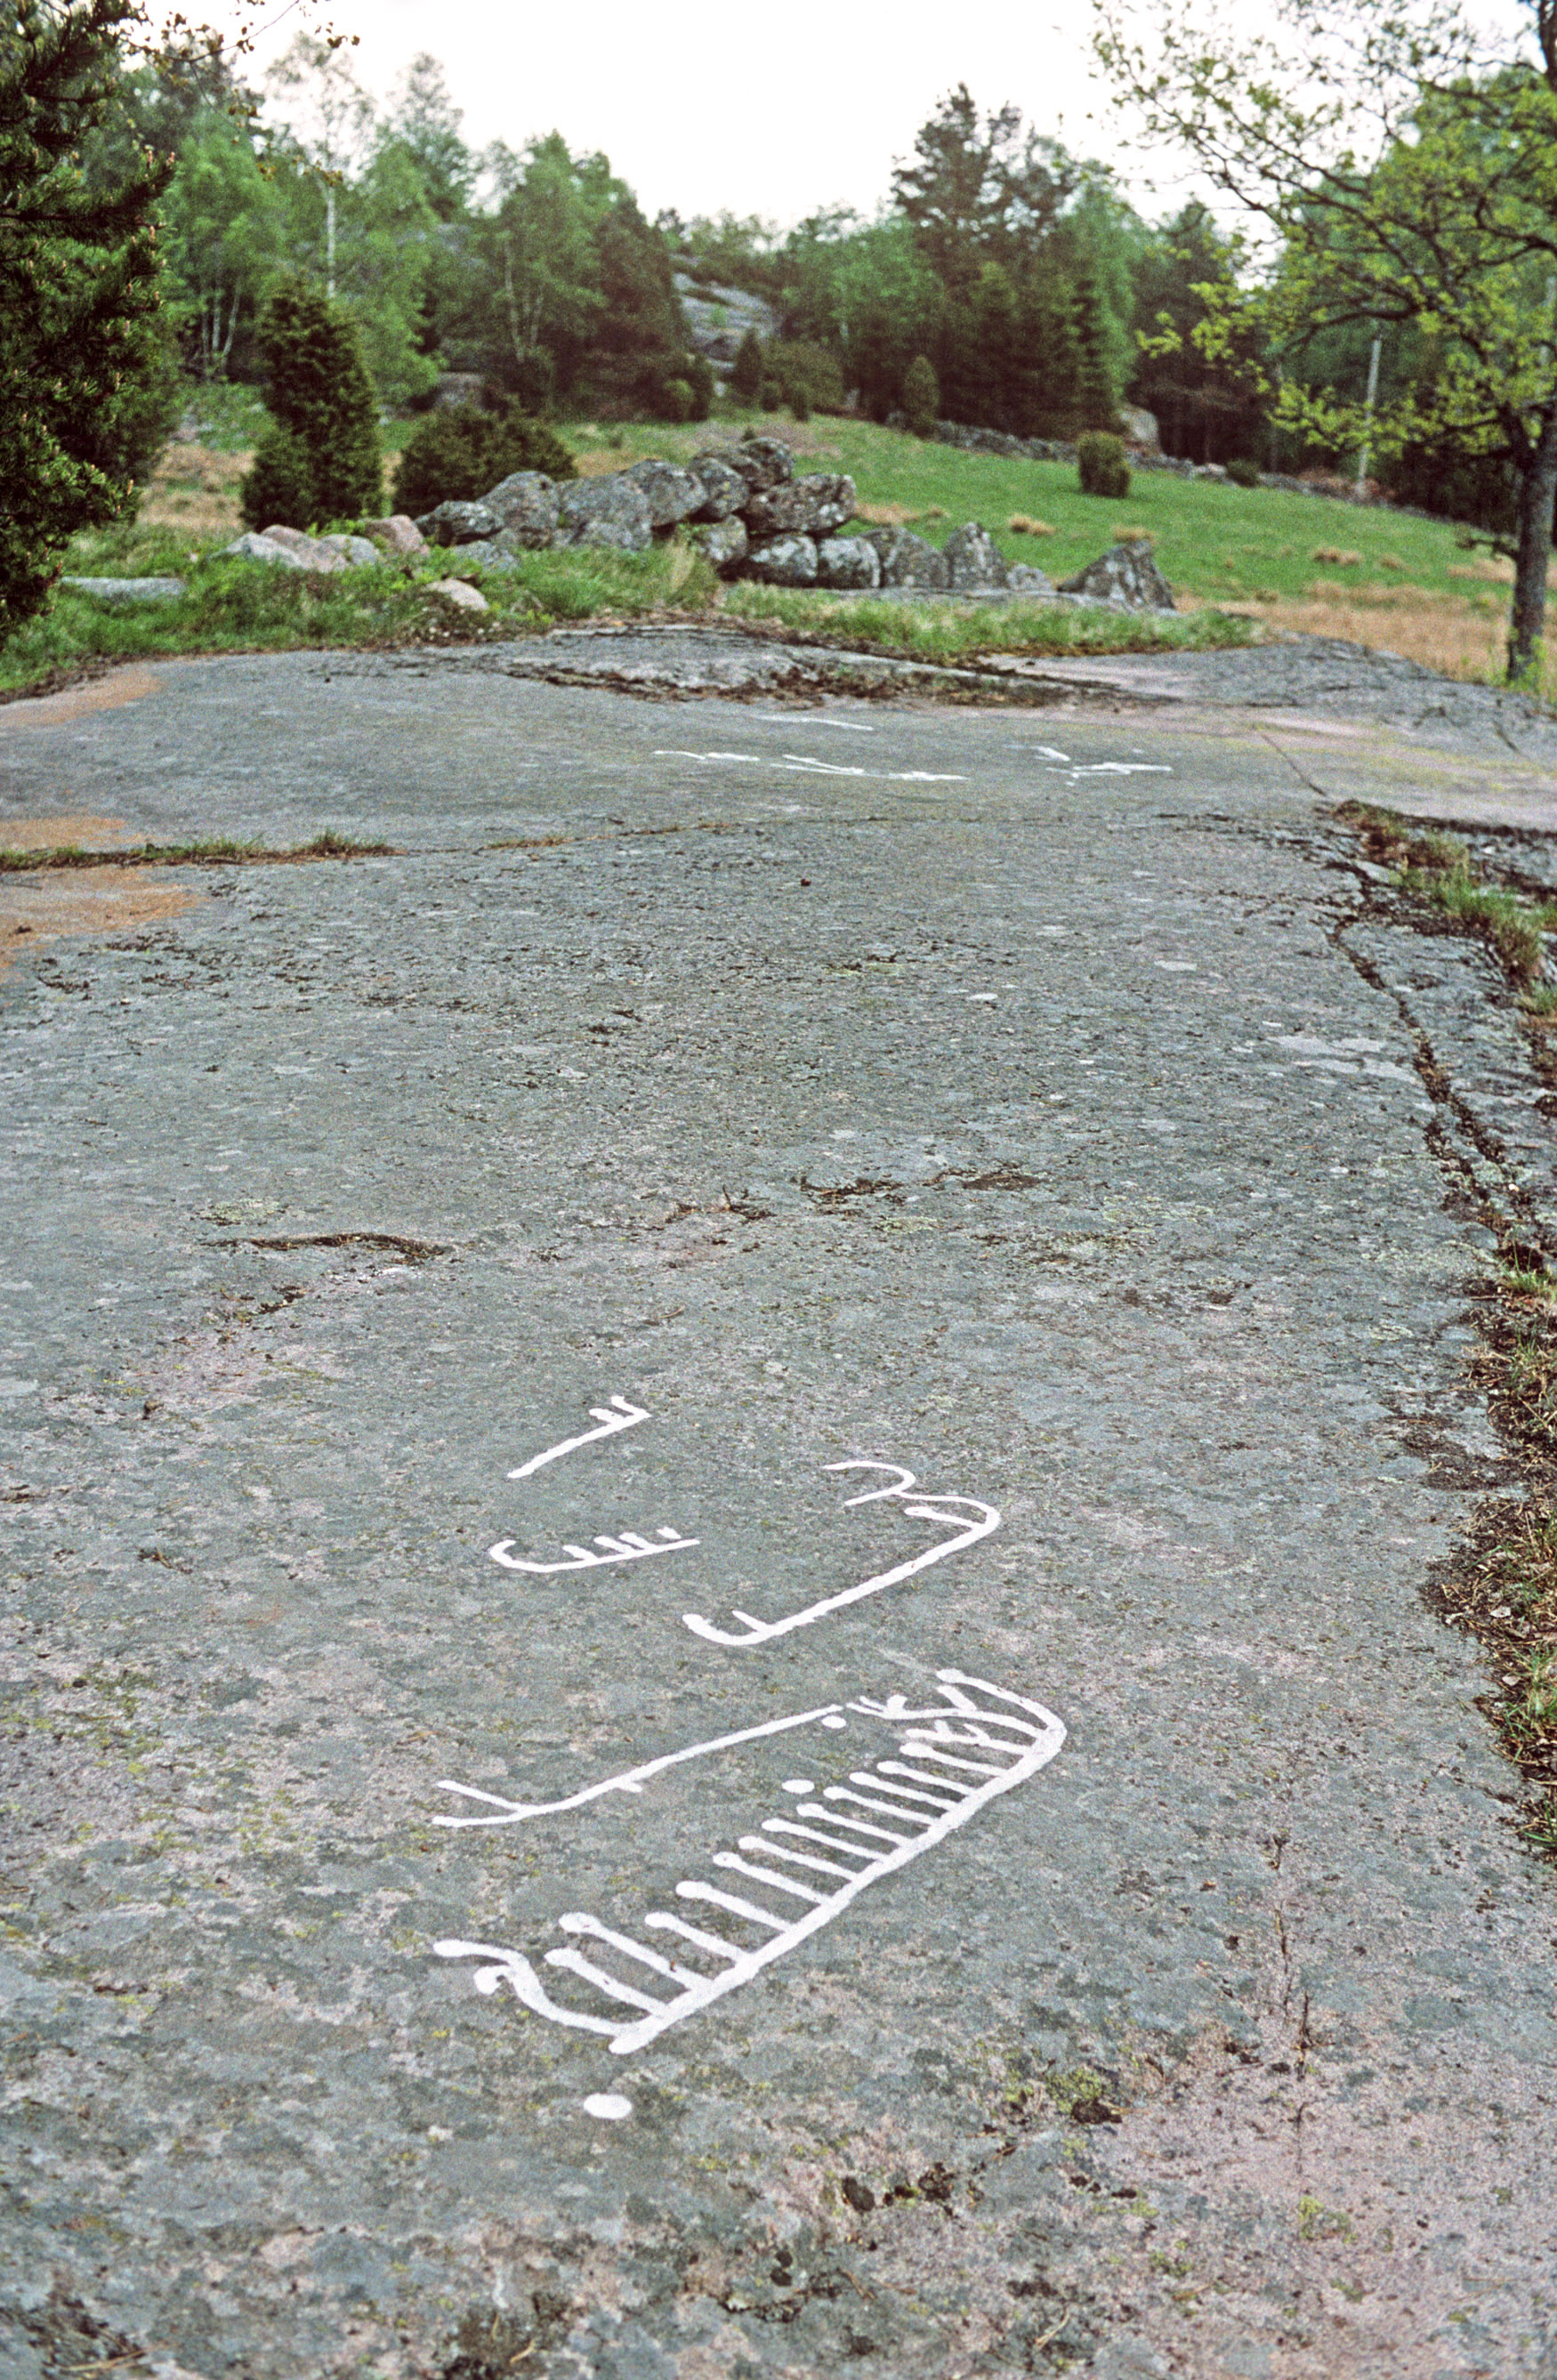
(1240, 561)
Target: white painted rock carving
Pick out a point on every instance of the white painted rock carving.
(956, 1755)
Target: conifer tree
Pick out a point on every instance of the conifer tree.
(922, 398)
(1097, 400)
(746, 373)
(322, 411)
(78, 335)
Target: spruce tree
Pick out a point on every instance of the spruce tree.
(80, 338)
(322, 408)
(747, 372)
(1097, 400)
(1049, 336)
(922, 398)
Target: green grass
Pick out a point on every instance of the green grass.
(1438, 871)
(1220, 545)
(1217, 543)
(231, 606)
(952, 632)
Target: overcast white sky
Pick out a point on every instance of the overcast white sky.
(770, 112)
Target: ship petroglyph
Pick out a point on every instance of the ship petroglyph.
(797, 1873)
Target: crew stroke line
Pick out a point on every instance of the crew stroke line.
(618, 1414)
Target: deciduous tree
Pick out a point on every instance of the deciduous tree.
(1407, 173)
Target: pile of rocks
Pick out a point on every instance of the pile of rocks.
(395, 539)
(748, 510)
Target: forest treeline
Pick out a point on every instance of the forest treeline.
(1038, 297)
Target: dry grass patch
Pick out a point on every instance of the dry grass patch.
(1023, 525)
(885, 516)
(1454, 636)
(195, 491)
(1341, 555)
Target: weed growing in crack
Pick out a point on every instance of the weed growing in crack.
(1502, 1587)
(1438, 873)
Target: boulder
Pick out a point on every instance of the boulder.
(973, 559)
(762, 463)
(493, 552)
(725, 490)
(1125, 575)
(787, 561)
(256, 545)
(463, 598)
(725, 542)
(1141, 428)
(458, 524)
(672, 495)
(126, 591)
(398, 536)
(906, 560)
(848, 561)
(609, 511)
(1022, 578)
(813, 506)
(356, 553)
(526, 503)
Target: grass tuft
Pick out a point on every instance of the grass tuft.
(217, 852)
(1437, 871)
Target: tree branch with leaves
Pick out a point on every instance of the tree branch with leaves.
(1403, 172)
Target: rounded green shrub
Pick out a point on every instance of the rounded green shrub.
(922, 398)
(460, 450)
(771, 396)
(279, 487)
(319, 389)
(1101, 466)
(1243, 473)
(676, 401)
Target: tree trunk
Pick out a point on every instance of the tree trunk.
(1538, 500)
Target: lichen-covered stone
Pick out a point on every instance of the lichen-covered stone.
(973, 559)
(813, 506)
(1127, 576)
(784, 561)
(725, 490)
(525, 505)
(762, 463)
(287, 547)
(126, 591)
(907, 560)
(458, 524)
(672, 493)
(848, 561)
(1023, 578)
(611, 511)
(356, 552)
(724, 541)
